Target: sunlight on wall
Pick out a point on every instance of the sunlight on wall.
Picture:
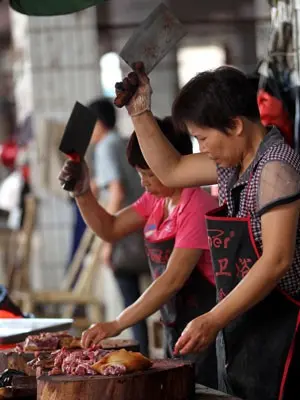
(110, 73)
(192, 60)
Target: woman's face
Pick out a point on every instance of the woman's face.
(225, 149)
(152, 184)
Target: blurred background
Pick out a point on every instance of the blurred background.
(46, 64)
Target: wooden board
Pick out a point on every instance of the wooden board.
(167, 379)
(202, 393)
(13, 360)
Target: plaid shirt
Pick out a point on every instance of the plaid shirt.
(246, 189)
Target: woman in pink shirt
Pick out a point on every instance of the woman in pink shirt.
(177, 248)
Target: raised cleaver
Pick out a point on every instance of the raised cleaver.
(76, 138)
(149, 44)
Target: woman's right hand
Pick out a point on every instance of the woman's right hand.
(97, 332)
(138, 83)
(77, 171)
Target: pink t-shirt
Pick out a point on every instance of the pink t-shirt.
(186, 223)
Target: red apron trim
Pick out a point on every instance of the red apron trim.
(237, 219)
(288, 360)
(289, 298)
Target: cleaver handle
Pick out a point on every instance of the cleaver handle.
(69, 185)
(124, 96)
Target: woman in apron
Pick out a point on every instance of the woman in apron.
(254, 236)
(177, 248)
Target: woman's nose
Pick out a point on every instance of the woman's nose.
(202, 146)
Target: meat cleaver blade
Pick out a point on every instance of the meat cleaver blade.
(77, 136)
(150, 43)
(153, 39)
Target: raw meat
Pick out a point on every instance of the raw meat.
(114, 370)
(70, 362)
(117, 361)
(48, 342)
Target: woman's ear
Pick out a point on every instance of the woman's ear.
(237, 127)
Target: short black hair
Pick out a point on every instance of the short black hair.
(214, 98)
(105, 112)
(180, 140)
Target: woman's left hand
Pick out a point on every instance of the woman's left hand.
(197, 335)
(97, 332)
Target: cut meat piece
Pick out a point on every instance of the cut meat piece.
(45, 361)
(75, 343)
(65, 341)
(70, 342)
(19, 348)
(84, 369)
(129, 360)
(59, 357)
(91, 361)
(114, 370)
(44, 341)
(48, 342)
(55, 371)
(70, 362)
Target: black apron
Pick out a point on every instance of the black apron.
(256, 350)
(197, 297)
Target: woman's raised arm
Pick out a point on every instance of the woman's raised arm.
(167, 164)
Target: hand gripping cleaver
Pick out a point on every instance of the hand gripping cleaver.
(76, 138)
(149, 44)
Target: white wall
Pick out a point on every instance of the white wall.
(57, 65)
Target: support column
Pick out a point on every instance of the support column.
(56, 64)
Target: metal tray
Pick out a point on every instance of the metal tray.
(16, 330)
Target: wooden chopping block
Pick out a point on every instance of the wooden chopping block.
(13, 360)
(167, 379)
(23, 387)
